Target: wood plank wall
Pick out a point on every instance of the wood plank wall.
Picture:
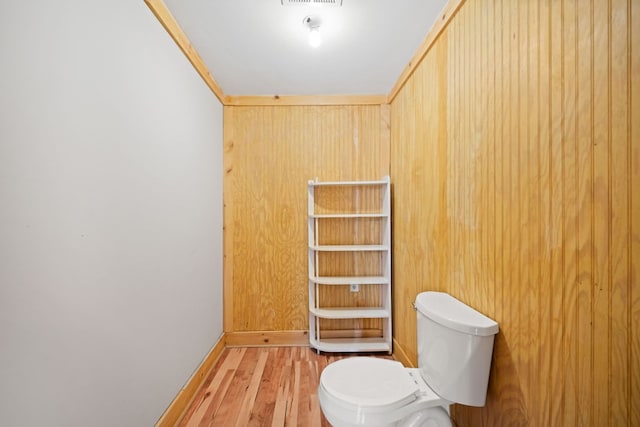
(515, 162)
(270, 154)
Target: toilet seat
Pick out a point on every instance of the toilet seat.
(370, 382)
(365, 391)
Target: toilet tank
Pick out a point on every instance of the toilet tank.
(455, 344)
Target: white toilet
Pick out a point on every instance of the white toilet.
(455, 343)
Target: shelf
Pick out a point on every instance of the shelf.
(346, 183)
(351, 344)
(349, 215)
(349, 248)
(348, 280)
(350, 221)
(350, 313)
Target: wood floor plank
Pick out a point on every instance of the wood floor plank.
(280, 407)
(292, 401)
(228, 412)
(208, 398)
(265, 403)
(218, 396)
(267, 386)
(252, 391)
(315, 419)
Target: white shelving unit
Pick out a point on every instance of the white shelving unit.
(375, 215)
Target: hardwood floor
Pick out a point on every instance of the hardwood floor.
(263, 386)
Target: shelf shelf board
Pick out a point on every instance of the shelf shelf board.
(349, 215)
(351, 344)
(349, 248)
(348, 280)
(350, 313)
(346, 183)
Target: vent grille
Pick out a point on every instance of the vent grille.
(311, 2)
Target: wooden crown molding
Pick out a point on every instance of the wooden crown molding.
(446, 16)
(305, 100)
(160, 10)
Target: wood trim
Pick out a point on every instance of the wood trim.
(401, 356)
(169, 23)
(246, 101)
(446, 16)
(267, 339)
(180, 404)
(385, 136)
(227, 215)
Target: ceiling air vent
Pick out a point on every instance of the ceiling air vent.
(311, 2)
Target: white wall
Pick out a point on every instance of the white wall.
(110, 215)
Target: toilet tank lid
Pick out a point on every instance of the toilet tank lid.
(450, 312)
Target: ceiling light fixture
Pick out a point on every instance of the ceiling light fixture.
(313, 24)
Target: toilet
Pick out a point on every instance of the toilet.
(455, 344)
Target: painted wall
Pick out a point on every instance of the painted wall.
(516, 168)
(110, 215)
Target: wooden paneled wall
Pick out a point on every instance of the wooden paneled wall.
(271, 152)
(515, 162)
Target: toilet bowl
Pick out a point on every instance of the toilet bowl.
(455, 345)
(367, 391)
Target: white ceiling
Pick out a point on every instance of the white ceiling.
(259, 47)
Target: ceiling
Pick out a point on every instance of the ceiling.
(260, 47)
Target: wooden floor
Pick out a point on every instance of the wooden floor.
(262, 386)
